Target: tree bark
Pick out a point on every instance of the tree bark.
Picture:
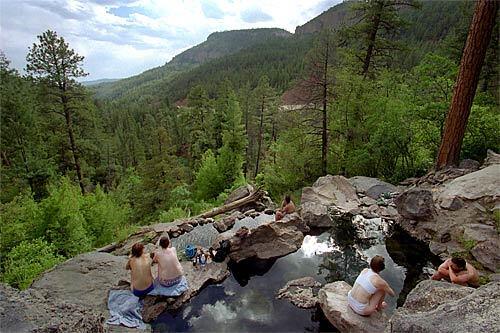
(371, 44)
(324, 131)
(72, 142)
(252, 197)
(473, 56)
(259, 145)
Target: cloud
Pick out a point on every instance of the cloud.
(254, 15)
(211, 10)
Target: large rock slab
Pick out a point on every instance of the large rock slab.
(372, 187)
(239, 193)
(316, 215)
(415, 204)
(84, 280)
(475, 185)
(488, 254)
(302, 292)
(434, 306)
(333, 302)
(197, 277)
(269, 240)
(31, 311)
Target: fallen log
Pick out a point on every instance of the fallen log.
(252, 197)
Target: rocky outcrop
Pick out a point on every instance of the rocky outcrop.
(302, 292)
(239, 193)
(333, 302)
(32, 311)
(435, 306)
(415, 204)
(372, 187)
(269, 240)
(492, 158)
(225, 223)
(197, 277)
(328, 193)
(476, 185)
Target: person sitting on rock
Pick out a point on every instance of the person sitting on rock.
(139, 264)
(169, 268)
(287, 207)
(368, 292)
(457, 270)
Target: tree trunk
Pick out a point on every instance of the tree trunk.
(72, 142)
(371, 44)
(324, 129)
(473, 56)
(252, 197)
(259, 144)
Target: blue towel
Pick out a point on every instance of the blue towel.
(125, 308)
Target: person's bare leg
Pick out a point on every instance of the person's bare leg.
(375, 300)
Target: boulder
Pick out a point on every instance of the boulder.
(488, 254)
(316, 215)
(434, 306)
(239, 193)
(415, 204)
(491, 159)
(479, 232)
(475, 185)
(31, 311)
(469, 164)
(225, 224)
(301, 292)
(83, 280)
(372, 187)
(333, 302)
(197, 277)
(269, 240)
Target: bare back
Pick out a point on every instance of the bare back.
(169, 266)
(140, 268)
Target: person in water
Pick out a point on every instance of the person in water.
(457, 270)
(287, 207)
(369, 290)
(139, 265)
(169, 268)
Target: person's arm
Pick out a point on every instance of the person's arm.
(127, 267)
(443, 269)
(459, 279)
(381, 284)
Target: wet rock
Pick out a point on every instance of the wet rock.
(197, 277)
(492, 158)
(488, 254)
(372, 187)
(434, 306)
(269, 240)
(316, 215)
(239, 193)
(84, 280)
(301, 292)
(31, 311)
(415, 204)
(333, 302)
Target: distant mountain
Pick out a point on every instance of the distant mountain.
(333, 18)
(94, 82)
(217, 45)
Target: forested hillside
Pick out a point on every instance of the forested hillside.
(82, 167)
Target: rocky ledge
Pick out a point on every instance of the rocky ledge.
(435, 306)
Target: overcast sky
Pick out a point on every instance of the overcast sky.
(120, 38)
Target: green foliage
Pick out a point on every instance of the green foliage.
(208, 181)
(27, 260)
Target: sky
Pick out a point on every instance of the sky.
(121, 38)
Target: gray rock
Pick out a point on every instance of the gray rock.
(225, 224)
(333, 302)
(488, 254)
(269, 211)
(186, 227)
(239, 193)
(454, 203)
(249, 212)
(316, 215)
(83, 280)
(331, 190)
(415, 204)
(435, 306)
(302, 292)
(475, 185)
(479, 232)
(437, 248)
(367, 201)
(469, 164)
(492, 158)
(372, 187)
(269, 240)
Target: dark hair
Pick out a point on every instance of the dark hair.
(164, 242)
(377, 264)
(137, 250)
(287, 198)
(460, 262)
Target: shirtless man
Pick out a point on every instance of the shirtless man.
(287, 207)
(368, 292)
(139, 264)
(458, 271)
(169, 267)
